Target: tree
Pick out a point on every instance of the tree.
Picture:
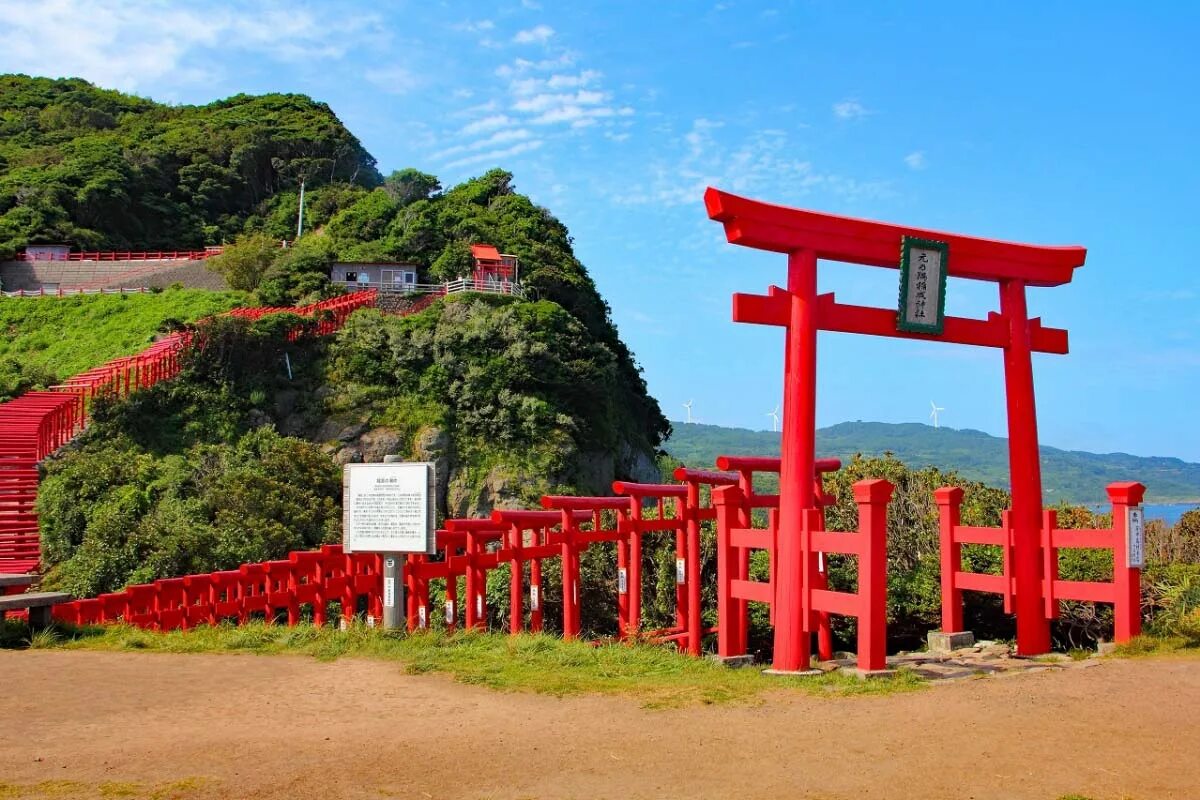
(408, 185)
(245, 263)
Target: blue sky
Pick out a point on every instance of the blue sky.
(1052, 123)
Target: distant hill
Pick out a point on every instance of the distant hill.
(1069, 475)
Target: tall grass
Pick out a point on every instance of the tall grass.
(656, 676)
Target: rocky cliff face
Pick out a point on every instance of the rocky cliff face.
(464, 490)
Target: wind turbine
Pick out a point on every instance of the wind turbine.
(934, 413)
(688, 406)
(774, 415)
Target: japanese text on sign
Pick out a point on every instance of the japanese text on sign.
(922, 285)
(388, 508)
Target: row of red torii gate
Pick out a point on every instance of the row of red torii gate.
(789, 527)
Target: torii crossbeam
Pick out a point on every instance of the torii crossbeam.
(806, 236)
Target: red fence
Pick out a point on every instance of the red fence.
(468, 549)
(736, 536)
(1123, 592)
(37, 423)
(310, 578)
(123, 255)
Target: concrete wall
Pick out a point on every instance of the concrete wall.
(33, 275)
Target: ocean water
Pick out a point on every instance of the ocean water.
(1167, 512)
(1170, 512)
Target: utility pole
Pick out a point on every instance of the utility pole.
(300, 215)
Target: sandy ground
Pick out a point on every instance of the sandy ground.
(284, 727)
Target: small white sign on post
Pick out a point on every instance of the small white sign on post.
(622, 581)
(388, 508)
(680, 571)
(450, 612)
(533, 598)
(1135, 536)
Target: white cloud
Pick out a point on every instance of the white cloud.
(760, 162)
(916, 159)
(538, 34)
(499, 137)
(393, 80)
(488, 123)
(849, 109)
(471, 26)
(496, 155)
(130, 44)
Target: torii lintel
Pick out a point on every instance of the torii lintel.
(765, 226)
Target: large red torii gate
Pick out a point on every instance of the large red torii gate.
(806, 236)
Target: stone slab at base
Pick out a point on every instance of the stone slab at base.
(734, 662)
(1106, 648)
(804, 673)
(871, 674)
(942, 642)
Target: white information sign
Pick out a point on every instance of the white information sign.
(622, 581)
(450, 612)
(422, 618)
(388, 508)
(389, 592)
(533, 598)
(680, 571)
(1135, 517)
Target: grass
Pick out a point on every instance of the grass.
(655, 676)
(60, 337)
(1148, 645)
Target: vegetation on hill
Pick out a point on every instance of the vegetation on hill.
(99, 169)
(189, 476)
(44, 340)
(1069, 476)
(231, 461)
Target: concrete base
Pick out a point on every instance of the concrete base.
(804, 673)
(871, 674)
(942, 642)
(1106, 648)
(734, 662)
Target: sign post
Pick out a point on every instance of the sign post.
(388, 508)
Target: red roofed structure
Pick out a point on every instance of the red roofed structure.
(491, 266)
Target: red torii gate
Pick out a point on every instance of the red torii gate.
(806, 236)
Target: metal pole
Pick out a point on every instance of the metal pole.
(393, 583)
(300, 225)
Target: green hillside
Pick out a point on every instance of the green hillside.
(47, 339)
(99, 169)
(1068, 475)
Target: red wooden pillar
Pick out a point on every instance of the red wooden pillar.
(623, 619)
(1127, 610)
(1033, 629)
(681, 605)
(516, 600)
(695, 625)
(451, 600)
(792, 648)
(476, 584)
(1049, 562)
(635, 563)
(726, 501)
(535, 582)
(570, 578)
(949, 501)
(872, 497)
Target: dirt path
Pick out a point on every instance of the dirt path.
(282, 727)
